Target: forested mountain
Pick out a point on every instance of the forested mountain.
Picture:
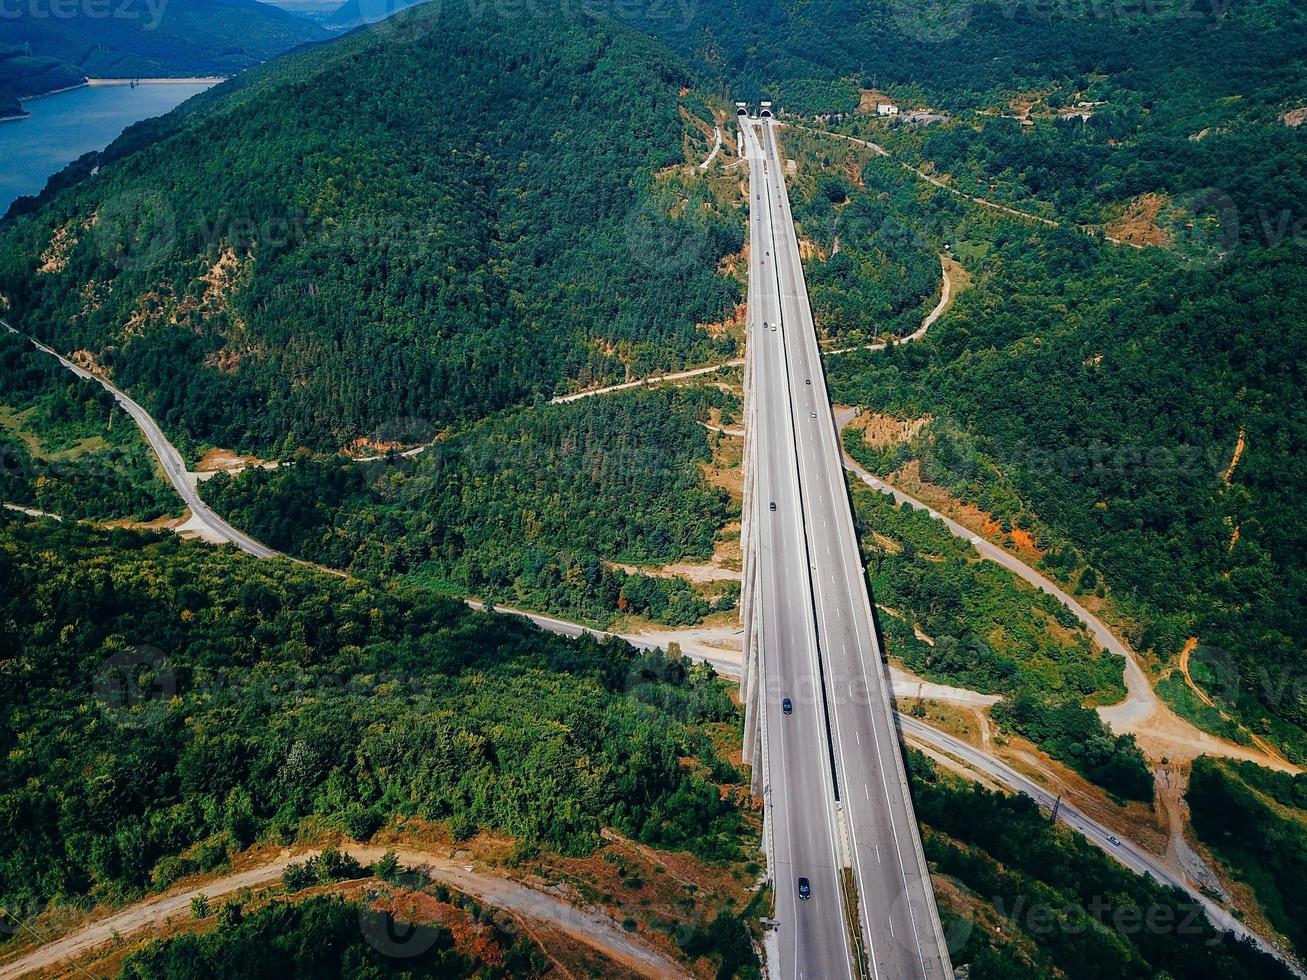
(1139, 410)
(148, 40)
(1082, 105)
(23, 74)
(167, 704)
(812, 56)
(42, 50)
(430, 219)
(353, 13)
(66, 448)
(528, 508)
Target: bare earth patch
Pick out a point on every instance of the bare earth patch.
(725, 470)
(908, 477)
(55, 257)
(733, 325)
(1138, 225)
(85, 360)
(541, 897)
(226, 461)
(879, 430)
(808, 250)
(869, 98)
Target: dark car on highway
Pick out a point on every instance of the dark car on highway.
(805, 889)
(787, 706)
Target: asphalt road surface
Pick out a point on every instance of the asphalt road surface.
(1123, 850)
(812, 937)
(171, 461)
(825, 611)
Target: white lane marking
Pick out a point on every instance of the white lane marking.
(866, 792)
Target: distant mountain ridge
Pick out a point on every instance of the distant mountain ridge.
(344, 255)
(144, 39)
(353, 13)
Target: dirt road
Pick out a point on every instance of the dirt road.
(590, 928)
(1159, 730)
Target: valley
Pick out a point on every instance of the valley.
(803, 494)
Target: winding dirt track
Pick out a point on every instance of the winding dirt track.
(1160, 730)
(974, 199)
(591, 928)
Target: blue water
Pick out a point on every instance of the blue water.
(64, 126)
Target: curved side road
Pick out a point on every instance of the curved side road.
(640, 382)
(717, 148)
(591, 928)
(945, 298)
(1131, 855)
(725, 662)
(1142, 703)
(171, 461)
(942, 185)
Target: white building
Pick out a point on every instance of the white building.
(886, 109)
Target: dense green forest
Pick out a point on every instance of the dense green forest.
(23, 74)
(1096, 396)
(524, 507)
(65, 446)
(1074, 734)
(813, 56)
(312, 253)
(166, 703)
(1042, 901)
(879, 275)
(1039, 901)
(990, 631)
(328, 937)
(1255, 821)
